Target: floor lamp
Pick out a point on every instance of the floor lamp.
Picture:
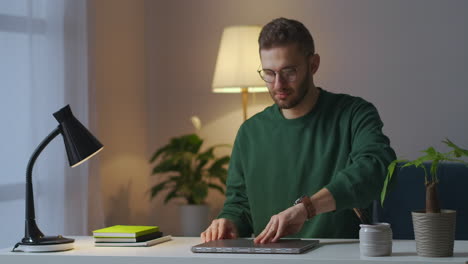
(237, 63)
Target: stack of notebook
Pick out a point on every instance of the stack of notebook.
(128, 236)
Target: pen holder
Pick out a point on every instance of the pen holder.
(375, 240)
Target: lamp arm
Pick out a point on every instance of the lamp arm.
(31, 229)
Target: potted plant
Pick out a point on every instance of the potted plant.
(188, 172)
(434, 228)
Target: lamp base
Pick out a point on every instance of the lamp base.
(47, 244)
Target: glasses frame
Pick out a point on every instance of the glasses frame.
(280, 72)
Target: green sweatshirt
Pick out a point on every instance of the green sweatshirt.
(339, 145)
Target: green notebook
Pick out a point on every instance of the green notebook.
(125, 231)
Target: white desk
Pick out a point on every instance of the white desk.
(178, 251)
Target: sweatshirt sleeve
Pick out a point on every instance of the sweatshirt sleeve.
(361, 181)
(236, 207)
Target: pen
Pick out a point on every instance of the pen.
(361, 215)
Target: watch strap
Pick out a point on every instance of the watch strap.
(305, 201)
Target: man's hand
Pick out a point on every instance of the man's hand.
(289, 221)
(220, 229)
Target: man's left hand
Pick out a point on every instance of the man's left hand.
(289, 221)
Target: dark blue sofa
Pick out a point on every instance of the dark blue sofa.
(408, 194)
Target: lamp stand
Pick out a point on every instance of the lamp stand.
(34, 240)
(245, 98)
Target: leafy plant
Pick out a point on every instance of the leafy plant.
(188, 173)
(434, 158)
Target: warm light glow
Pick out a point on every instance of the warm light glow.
(238, 61)
(239, 90)
(90, 156)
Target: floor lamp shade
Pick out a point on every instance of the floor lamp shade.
(238, 61)
(80, 145)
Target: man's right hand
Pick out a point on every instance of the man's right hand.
(221, 228)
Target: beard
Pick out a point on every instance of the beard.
(295, 96)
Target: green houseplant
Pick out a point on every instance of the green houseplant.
(434, 228)
(188, 172)
(434, 158)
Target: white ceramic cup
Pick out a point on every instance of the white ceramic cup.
(375, 240)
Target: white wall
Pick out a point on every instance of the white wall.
(118, 71)
(407, 57)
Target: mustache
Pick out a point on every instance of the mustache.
(282, 90)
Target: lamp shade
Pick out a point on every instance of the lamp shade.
(238, 61)
(80, 144)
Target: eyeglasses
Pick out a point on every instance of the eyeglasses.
(288, 74)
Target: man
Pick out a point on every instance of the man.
(326, 149)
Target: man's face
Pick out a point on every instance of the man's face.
(289, 60)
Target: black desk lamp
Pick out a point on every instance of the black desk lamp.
(80, 145)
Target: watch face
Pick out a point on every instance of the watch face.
(299, 200)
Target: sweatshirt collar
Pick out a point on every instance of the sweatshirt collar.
(279, 115)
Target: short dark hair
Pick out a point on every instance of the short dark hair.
(282, 31)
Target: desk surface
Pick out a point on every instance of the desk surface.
(178, 251)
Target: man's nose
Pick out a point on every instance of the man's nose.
(280, 81)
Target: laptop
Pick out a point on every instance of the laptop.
(247, 246)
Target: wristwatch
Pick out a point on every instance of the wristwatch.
(305, 200)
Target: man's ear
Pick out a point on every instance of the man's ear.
(314, 61)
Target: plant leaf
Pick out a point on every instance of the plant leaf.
(166, 166)
(159, 152)
(217, 169)
(206, 155)
(217, 187)
(203, 159)
(390, 172)
(159, 187)
(188, 143)
(171, 195)
(181, 156)
(456, 149)
(220, 162)
(199, 192)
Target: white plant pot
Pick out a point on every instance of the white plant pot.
(434, 233)
(375, 240)
(194, 219)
